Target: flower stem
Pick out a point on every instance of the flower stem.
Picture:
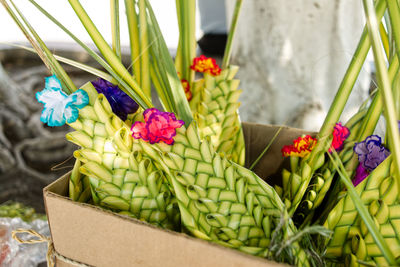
(384, 85)
(231, 35)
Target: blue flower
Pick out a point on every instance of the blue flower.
(121, 103)
(60, 108)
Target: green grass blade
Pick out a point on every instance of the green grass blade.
(144, 50)
(385, 40)
(385, 86)
(231, 35)
(266, 149)
(136, 93)
(116, 41)
(346, 85)
(116, 78)
(73, 63)
(59, 71)
(362, 210)
(131, 16)
(174, 91)
(186, 52)
(28, 36)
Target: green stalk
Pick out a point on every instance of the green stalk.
(385, 85)
(69, 86)
(394, 14)
(174, 90)
(385, 40)
(144, 50)
(266, 148)
(116, 43)
(362, 210)
(31, 40)
(73, 63)
(232, 30)
(346, 86)
(116, 78)
(186, 13)
(109, 55)
(133, 37)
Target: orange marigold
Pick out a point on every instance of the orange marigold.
(301, 147)
(206, 65)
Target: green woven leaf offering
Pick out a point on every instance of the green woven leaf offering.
(219, 200)
(215, 108)
(79, 187)
(120, 179)
(351, 238)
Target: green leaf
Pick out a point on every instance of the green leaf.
(173, 91)
(231, 35)
(384, 85)
(66, 81)
(186, 51)
(116, 43)
(136, 92)
(71, 62)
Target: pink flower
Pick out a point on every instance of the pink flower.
(340, 134)
(157, 126)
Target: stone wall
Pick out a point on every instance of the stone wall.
(292, 56)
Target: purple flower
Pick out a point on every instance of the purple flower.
(121, 103)
(361, 174)
(371, 152)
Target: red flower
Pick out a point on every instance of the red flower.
(206, 65)
(340, 134)
(186, 87)
(157, 126)
(301, 147)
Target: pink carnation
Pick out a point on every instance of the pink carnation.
(157, 126)
(340, 134)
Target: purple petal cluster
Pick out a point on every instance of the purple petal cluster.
(361, 174)
(120, 102)
(371, 152)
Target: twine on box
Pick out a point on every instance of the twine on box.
(51, 252)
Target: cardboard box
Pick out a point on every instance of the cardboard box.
(97, 237)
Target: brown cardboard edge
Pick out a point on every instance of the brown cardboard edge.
(57, 185)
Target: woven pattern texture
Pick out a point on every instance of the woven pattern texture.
(351, 239)
(215, 108)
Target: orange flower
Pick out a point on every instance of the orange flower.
(301, 147)
(206, 65)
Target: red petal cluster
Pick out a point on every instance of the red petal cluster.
(186, 87)
(301, 147)
(206, 65)
(340, 134)
(157, 126)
